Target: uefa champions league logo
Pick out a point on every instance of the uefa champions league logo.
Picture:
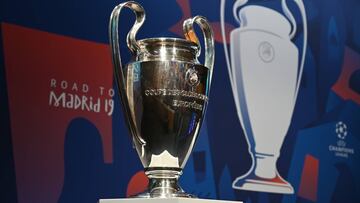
(192, 77)
(341, 133)
(266, 52)
(341, 150)
(341, 130)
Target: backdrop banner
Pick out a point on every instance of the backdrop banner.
(282, 123)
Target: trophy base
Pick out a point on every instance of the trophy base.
(180, 194)
(164, 200)
(164, 184)
(255, 183)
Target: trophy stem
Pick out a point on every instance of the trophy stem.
(164, 184)
(265, 165)
(164, 187)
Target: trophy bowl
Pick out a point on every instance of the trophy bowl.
(164, 93)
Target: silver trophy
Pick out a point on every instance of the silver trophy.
(265, 74)
(164, 94)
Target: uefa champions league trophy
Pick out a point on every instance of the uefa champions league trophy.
(164, 93)
(265, 76)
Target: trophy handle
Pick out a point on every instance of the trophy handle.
(131, 36)
(230, 69)
(116, 58)
(301, 6)
(291, 18)
(208, 33)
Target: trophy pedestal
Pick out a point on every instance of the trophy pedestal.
(164, 200)
(252, 182)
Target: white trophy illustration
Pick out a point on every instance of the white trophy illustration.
(265, 73)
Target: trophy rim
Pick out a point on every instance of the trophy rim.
(169, 41)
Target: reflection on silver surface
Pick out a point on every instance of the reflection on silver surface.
(164, 93)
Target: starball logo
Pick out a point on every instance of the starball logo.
(341, 130)
(341, 150)
(81, 96)
(192, 77)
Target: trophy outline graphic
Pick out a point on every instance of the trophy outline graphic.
(263, 66)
